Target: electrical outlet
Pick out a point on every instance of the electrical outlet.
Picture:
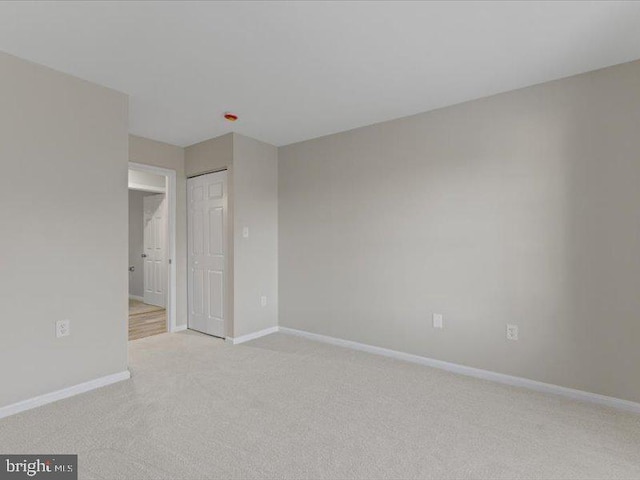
(438, 319)
(63, 328)
(512, 332)
(263, 301)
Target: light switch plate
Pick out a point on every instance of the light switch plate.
(245, 232)
(438, 320)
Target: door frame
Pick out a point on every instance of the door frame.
(172, 227)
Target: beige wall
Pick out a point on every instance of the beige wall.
(151, 152)
(255, 176)
(209, 156)
(63, 211)
(520, 208)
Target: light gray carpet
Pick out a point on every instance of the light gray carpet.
(285, 407)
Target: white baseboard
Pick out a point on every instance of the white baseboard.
(178, 328)
(64, 393)
(474, 372)
(251, 336)
(136, 297)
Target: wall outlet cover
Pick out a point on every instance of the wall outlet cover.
(512, 332)
(63, 328)
(263, 300)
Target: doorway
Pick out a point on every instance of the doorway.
(151, 251)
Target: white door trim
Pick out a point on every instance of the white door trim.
(172, 208)
(145, 188)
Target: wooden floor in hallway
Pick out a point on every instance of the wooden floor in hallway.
(146, 320)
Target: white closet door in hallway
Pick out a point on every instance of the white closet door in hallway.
(207, 250)
(155, 250)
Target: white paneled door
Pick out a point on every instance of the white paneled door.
(207, 231)
(155, 250)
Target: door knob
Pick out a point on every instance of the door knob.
(144, 255)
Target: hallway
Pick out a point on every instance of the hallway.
(145, 320)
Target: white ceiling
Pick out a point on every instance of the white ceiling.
(297, 70)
